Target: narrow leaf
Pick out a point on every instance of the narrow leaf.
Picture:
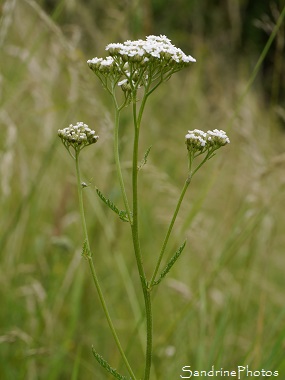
(144, 160)
(107, 366)
(122, 214)
(85, 251)
(170, 263)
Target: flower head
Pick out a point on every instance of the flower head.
(141, 62)
(104, 66)
(196, 140)
(154, 48)
(217, 138)
(199, 142)
(78, 136)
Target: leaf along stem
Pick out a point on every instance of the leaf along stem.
(183, 192)
(168, 233)
(88, 256)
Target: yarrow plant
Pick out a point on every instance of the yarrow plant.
(136, 67)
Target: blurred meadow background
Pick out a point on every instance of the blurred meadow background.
(223, 304)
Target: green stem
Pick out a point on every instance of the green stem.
(92, 268)
(117, 158)
(136, 242)
(186, 184)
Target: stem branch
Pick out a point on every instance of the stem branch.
(186, 184)
(92, 269)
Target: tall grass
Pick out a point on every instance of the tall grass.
(224, 301)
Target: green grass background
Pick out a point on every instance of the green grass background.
(223, 302)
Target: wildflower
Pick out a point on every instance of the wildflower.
(105, 66)
(78, 136)
(199, 141)
(155, 48)
(152, 59)
(196, 140)
(217, 138)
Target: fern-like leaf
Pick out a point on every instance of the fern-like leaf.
(170, 263)
(144, 160)
(122, 214)
(107, 366)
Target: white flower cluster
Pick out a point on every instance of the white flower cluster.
(143, 59)
(152, 48)
(198, 140)
(104, 66)
(78, 135)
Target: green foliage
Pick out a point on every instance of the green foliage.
(144, 160)
(170, 263)
(106, 366)
(85, 250)
(121, 213)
